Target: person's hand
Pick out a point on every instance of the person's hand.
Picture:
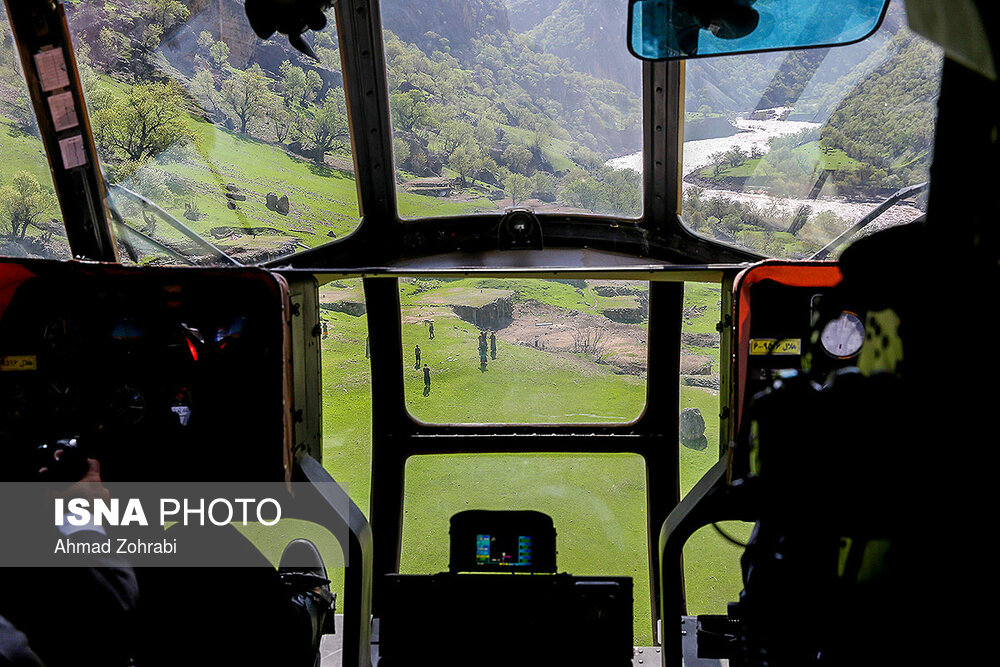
(90, 486)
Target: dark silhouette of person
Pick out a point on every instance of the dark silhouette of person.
(416, 353)
(430, 330)
(726, 19)
(493, 344)
(368, 350)
(324, 329)
(427, 380)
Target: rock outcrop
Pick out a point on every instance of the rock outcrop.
(353, 308)
(494, 315)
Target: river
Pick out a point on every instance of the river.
(756, 133)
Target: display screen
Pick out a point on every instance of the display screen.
(503, 550)
(502, 541)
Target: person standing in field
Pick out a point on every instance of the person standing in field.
(368, 349)
(427, 379)
(430, 330)
(416, 353)
(493, 344)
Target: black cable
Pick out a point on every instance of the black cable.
(729, 538)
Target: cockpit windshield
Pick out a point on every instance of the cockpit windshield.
(784, 152)
(219, 147)
(519, 103)
(201, 125)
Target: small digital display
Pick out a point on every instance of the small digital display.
(503, 550)
(502, 541)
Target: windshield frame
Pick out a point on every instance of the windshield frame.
(383, 237)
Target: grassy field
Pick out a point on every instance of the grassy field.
(597, 501)
(811, 152)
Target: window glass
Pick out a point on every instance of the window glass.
(30, 220)
(784, 151)
(699, 390)
(712, 573)
(346, 394)
(347, 387)
(513, 104)
(597, 503)
(524, 351)
(243, 141)
(711, 563)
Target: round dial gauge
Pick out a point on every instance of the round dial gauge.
(843, 336)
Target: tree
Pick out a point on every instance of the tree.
(112, 48)
(736, 156)
(517, 186)
(543, 182)
(517, 158)
(164, 13)
(589, 340)
(486, 133)
(282, 121)
(246, 94)
(453, 134)
(145, 121)
(160, 17)
(219, 53)
(467, 160)
(581, 190)
(22, 203)
(297, 85)
(203, 87)
(410, 110)
(205, 40)
(328, 126)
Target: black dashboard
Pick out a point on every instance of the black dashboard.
(160, 373)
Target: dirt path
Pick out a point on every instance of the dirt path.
(558, 330)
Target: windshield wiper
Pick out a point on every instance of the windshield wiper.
(206, 245)
(128, 235)
(848, 233)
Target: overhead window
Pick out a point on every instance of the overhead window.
(513, 104)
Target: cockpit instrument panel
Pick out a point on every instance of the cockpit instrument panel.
(164, 373)
(791, 318)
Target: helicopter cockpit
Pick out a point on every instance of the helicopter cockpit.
(603, 332)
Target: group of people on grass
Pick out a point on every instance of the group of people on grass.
(483, 346)
(487, 345)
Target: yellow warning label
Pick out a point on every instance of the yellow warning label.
(19, 362)
(764, 346)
